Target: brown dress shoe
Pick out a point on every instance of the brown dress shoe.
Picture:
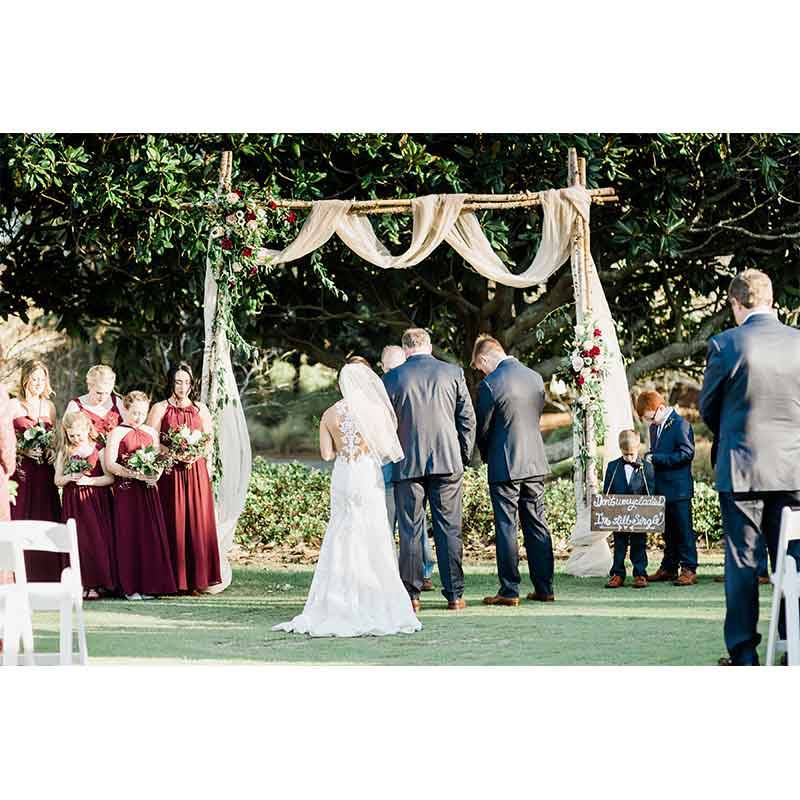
(719, 579)
(415, 604)
(639, 582)
(456, 605)
(541, 598)
(499, 600)
(615, 581)
(427, 585)
(662, 575)
(763, 580)
(686, 578)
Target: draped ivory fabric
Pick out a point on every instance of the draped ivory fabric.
(233, 439)
(436, 218)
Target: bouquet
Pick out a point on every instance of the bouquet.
(184, 444)
(35, 442)
(146, 461)
(12, 491)
(77, 465)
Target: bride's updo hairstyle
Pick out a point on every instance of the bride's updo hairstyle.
(352, 360)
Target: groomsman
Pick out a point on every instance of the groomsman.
(671, 454)
(510, 402)
(391, 357)
(751, 402)
(436, 428)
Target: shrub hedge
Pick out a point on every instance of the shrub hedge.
(288, 504)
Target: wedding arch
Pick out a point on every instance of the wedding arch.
(243, 225)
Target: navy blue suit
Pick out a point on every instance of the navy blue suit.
(642, 482)
(672, 454)
(510, 402)
(751, 402)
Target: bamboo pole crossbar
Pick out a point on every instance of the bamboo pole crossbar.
(473, 202)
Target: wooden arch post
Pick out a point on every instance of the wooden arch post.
(586, 483)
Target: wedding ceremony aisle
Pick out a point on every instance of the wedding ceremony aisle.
(587, 625)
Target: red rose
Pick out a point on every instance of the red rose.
(292, 217)
(584, 354)
(272, 204)
(598, 332)
(594, 352)
(581, 380)
(253, 271)
(226, 244)
(247, 252)
(249, 215)
(238, 192)
(231, 284)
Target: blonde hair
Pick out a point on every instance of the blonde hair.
(135, 397)
(72, 420)
(100, 374)
(25, 375)
(629, 439)
(752, 288)
(485, 344)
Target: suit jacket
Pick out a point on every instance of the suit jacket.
(510, 403)
(673, 453)
(751, 402)
(643, 480)
(435, 419)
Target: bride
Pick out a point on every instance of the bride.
(356, 590)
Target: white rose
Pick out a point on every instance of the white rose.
(262, 254)
(194, 437)
(252, 224)
(232, 198)
(587, 345)
(260, 213)
(557, 386)
(587, 373)
(231, 219)
(577, 363)
(237, 267)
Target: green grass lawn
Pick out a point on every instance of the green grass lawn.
(587, 625)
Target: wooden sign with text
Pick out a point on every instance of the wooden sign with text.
(628, 513)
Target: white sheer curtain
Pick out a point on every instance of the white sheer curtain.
(233, 439)
(436, 218)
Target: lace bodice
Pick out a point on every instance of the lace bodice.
(350, 444)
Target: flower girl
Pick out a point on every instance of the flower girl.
(87, 499)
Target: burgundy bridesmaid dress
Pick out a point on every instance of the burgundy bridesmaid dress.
(188, 503)
(102, 425)
(90, 507)
(140, 537)
(37, 498)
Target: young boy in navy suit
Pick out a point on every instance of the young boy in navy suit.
(628, 475)
(671, 454)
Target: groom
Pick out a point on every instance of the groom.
(436, 428)
(510, 403)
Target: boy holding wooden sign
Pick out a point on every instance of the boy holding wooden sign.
(626, 476)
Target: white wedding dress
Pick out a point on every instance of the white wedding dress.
(356, 590)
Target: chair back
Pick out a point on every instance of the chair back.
(12, 556)
(51, 537)
(790, 532)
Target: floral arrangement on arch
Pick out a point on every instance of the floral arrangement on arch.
(244, 227)
(585, 370)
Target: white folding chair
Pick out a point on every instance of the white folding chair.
(786, 583)
(15, 609)
(64, 596)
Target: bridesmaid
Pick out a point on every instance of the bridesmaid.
(100, 404)
(87, 499)
(8, 463)
(143, 565)
(186, 494)
(37, 496)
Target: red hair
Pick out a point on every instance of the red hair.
(648, 401)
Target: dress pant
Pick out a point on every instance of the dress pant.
(428, 561)
(680, 544)
(523, 500)
(748, 519)
(638, 543)
(444, 497)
